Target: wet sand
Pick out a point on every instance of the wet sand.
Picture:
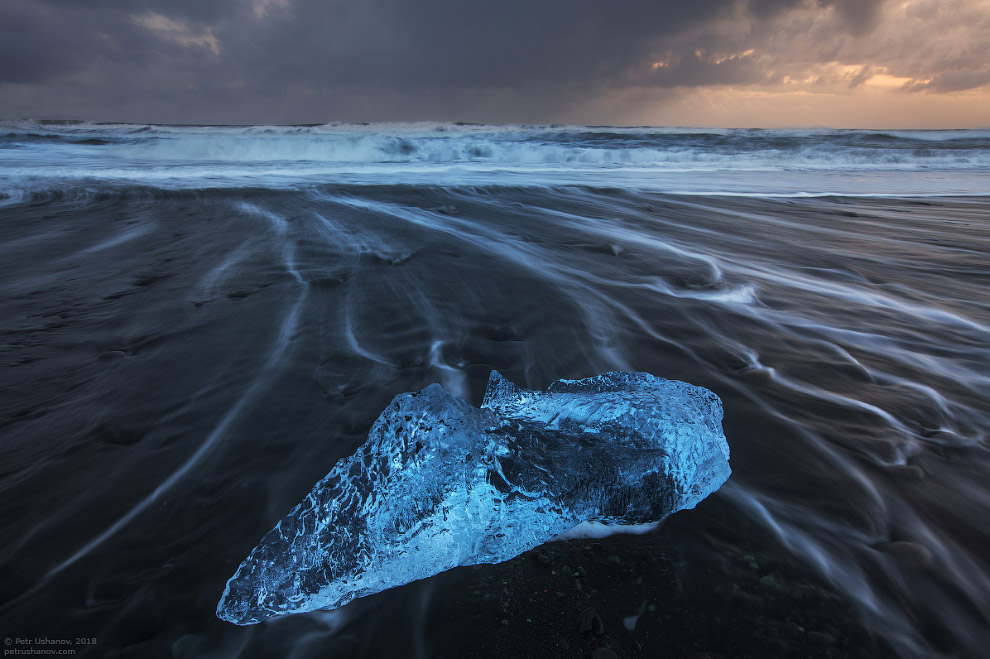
(179, 369)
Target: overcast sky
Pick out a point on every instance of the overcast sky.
(865, 63)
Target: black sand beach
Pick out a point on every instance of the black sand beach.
(179, 367)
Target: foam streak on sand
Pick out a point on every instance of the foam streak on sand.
(270, 368)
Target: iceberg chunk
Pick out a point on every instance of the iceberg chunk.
(440, 483)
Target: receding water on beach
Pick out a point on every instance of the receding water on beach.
(198, 322)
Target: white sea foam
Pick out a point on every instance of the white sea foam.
(680, 160)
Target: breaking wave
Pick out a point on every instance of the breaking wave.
(670, 160)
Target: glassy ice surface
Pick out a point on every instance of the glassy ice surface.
(440, 483)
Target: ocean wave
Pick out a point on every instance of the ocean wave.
(439, 142)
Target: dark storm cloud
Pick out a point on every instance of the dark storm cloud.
(452, 43)
(857, 15)
(43, 40)
(435, 42)
(952, 81)
(698, 70)
(491, 42)
(35, 45)
(205, 11)
(861, 77)
(283, 53)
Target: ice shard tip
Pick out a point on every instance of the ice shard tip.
(440, 483)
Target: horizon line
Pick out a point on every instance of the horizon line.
(461, 123)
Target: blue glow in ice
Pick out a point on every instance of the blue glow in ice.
(440, 483)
